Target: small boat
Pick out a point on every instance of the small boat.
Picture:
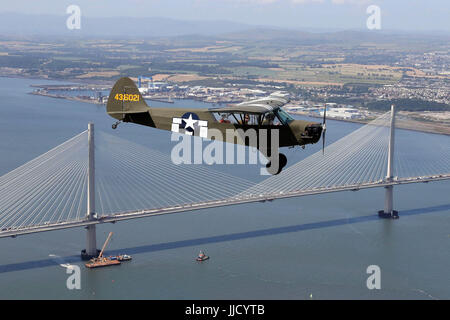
(124, 257)
(202, 257)
(121, 257)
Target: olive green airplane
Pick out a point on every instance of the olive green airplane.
(126, 104)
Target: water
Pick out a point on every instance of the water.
(287, 249)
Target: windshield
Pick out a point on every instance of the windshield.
(284, 117)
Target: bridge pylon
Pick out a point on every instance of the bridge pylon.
(91, 236)
(388, 211)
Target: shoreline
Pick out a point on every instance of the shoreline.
(55, 96)
(410, 124)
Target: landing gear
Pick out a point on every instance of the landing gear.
(114, 126)
(282, 161)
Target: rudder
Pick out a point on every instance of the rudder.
(124, 99)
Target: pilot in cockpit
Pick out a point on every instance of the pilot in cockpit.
(246, 119)
(269, 120)
(224, 119)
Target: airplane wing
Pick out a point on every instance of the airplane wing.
(257, 106)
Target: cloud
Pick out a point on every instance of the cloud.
(305, 1)
(338, 2)
(363, 2)
(255, 1)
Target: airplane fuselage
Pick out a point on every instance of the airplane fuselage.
(292, 134)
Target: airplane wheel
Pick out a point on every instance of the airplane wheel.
(282, 161)
(114, 126)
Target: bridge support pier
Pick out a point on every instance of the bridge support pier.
(388, 211)
(91, 250)
(91, 236)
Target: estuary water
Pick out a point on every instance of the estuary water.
(314, 247)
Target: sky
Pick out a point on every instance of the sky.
(405, 15)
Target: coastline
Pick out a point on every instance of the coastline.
(410, 124)
(56, 96)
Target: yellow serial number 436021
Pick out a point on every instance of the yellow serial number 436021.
(126, 97)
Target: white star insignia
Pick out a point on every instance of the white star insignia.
(189, 122)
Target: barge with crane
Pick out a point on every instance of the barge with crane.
(102, 261)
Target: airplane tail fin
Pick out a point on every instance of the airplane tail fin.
(125, 100)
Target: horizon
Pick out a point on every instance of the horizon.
(406, 16)
(177, 27)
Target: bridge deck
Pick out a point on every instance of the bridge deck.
(121, 216)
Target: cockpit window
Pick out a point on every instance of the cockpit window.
(284, 117)
(270, 119)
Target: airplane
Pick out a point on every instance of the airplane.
(126, 104)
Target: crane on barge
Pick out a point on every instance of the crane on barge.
(101, 261)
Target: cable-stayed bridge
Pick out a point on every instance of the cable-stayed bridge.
(79, 183)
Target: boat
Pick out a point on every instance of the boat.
(202, 257)
(121, 257)
(102, 261)
(124, 257)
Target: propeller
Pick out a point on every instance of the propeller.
(324, 128)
